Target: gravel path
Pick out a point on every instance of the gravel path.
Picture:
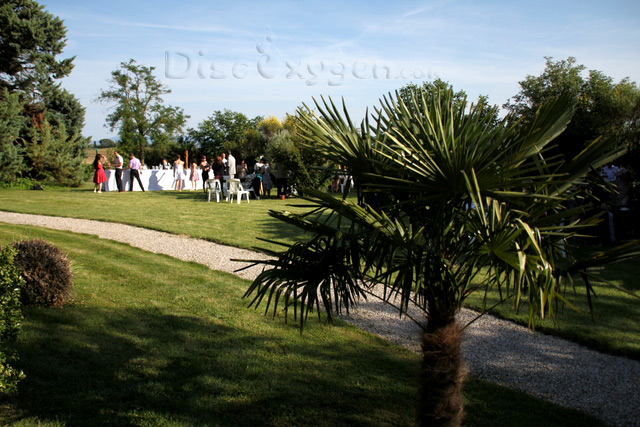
(545, 366)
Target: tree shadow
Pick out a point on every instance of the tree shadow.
(132, 366)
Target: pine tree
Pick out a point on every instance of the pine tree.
(30, 40)
(11, 163)
(56, 156)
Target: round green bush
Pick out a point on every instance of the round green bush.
(46, 273)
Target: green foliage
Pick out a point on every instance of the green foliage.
(304, 169)
(269, 126)
(10, 318)
(11, 121)
(603, 107)
(432, 89)
(419, 169)
(30, 39)
(46, 272)
(61, 108)
(139, 113)
(228, 130)
(54, 156)
(51, 118)
(106, 143)
(450, 203)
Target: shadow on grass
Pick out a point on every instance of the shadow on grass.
(133, 366)
(197, 195)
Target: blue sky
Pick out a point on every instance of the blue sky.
(267, 58)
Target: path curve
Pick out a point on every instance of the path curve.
(545, 366)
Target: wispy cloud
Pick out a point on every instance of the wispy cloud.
(215, 29)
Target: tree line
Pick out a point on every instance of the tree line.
(41, 123)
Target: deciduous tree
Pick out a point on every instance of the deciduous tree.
(228, 130)
(139, 112)
(603, 107)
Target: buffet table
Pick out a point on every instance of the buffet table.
(152, 179)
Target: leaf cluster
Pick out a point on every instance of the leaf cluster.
(10, 318)
(450, 202)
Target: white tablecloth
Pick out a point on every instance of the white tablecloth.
(152, 179)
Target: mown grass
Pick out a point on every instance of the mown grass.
(151, 340)
(616, 329)
(186, 212)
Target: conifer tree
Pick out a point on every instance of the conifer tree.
(30, 41)
(11, 163)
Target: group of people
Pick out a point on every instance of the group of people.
(224, 166)
(99, 177)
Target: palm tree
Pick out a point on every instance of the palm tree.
(450, 203)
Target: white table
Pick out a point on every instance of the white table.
(152, 179)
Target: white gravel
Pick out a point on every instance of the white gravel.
(551, 368)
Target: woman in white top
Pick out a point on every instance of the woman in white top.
(178, 176)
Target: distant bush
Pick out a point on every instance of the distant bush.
(20, 183)
(46, 272)
(10, 318)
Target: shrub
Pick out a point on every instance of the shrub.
(10, 318)
(46, 272)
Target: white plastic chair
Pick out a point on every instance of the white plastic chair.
(213, 186)
(234, 187)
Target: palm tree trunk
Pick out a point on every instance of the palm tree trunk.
(442, 376)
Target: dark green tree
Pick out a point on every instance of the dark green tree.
(11, 145)
(30, 40)
(52, 155)
(139, 112)
(227, 130)
(437, 86)
(603, 107)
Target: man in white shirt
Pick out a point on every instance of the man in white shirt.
(117, 164)
(135, 166)
(231, 162)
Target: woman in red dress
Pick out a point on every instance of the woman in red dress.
(99, 176)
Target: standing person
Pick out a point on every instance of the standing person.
(99, 176)
(231, 162)
(267, 182)
(205, 171)
(282, 177)
(178, 169)
(259, 170)
(218, 170)
(225, 164)
(134, 168)
(117, 164)
(193, 175)
(242, 170)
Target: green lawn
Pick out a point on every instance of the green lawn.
(186, 212)
(615, 325)
(151, 340)
(617, 322)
